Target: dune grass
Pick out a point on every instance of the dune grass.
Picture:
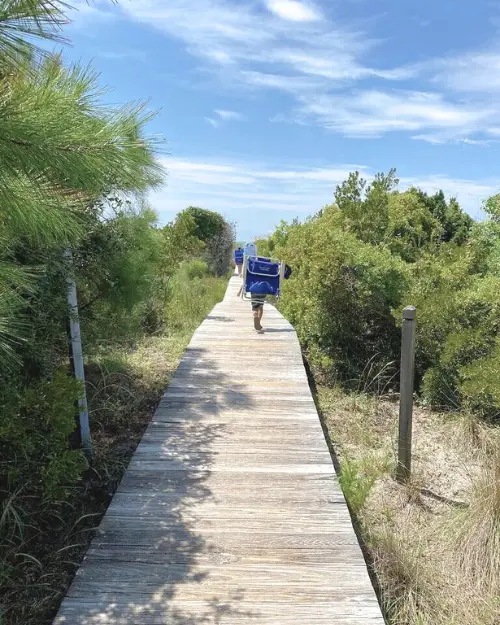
(434, 543)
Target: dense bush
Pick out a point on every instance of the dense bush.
(216, 234)
(358, 262)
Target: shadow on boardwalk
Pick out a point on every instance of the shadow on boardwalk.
(146, 547)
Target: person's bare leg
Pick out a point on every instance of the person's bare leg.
(256, 321)
(257, 316)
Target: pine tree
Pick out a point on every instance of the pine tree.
(60, 148)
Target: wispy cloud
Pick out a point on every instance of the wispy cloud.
(469, 73)
(326, 68)
(373, 113)
(229, 115)
(239, 39)
(213, 122)
(221, 115)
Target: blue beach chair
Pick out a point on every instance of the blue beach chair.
(262, 276)
(238, 256)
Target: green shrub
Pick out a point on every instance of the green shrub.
(190, 299)
(356, 483)
(35, 426)
(480, 384)
(341, 294)
(193, 269)
(358, 263)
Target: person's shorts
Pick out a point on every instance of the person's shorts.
(257, 301)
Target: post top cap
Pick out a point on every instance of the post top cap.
(409, 312)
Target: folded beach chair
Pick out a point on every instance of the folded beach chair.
(238, 256)
(262, 276)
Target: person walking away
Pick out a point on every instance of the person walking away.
(238, 260)
(258, 301)
(250, 249)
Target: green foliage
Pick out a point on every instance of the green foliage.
(341, 294)
(216, 234)
(23, 19)
(455, 223)
(192, 298)
(357, 478)
(480, 383)
(207, 224)
(265, 247)
(411, 227)
(34, 428)
(60, 152)
(359, 262)
(193, 269)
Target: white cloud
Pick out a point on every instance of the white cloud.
(293, 11)
(304, 50)
(213, 122)
(373, 113)
(236, 39)
(470, 73)
(222, 115)
(229, 115)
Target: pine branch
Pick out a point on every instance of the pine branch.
(22, 23)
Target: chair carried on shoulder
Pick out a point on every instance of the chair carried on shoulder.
(238, 256)
(262, 276)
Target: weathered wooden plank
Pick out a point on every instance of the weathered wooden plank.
(178, 465)
(208, 555)
(141, 610)
(159, 452)
(325, 524)
(149, 536)
(274, 581)
(232, 487)
(230, 511)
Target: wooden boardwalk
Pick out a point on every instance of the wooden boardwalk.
(230, 511)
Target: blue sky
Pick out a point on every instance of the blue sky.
(267, 104)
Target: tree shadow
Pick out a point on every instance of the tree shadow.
(280, 330)
(223, 318)
(156, 556)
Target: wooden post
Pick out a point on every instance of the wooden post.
(77, 351)
(403, 471)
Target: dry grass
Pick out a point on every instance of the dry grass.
(434, 542)
(475, 533)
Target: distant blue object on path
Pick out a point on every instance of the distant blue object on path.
(250, 250)
(238, 256)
